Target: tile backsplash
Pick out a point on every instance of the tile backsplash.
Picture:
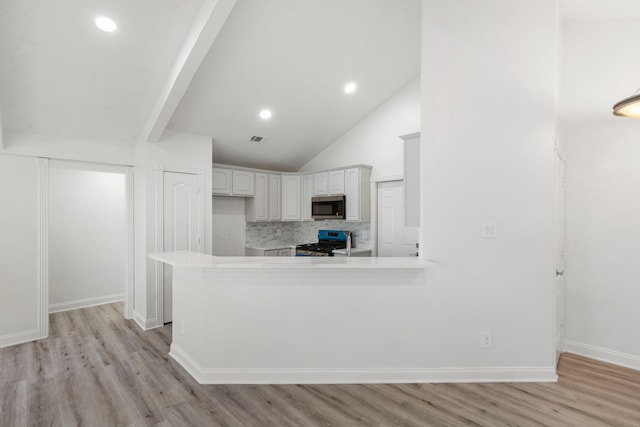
(265, 234)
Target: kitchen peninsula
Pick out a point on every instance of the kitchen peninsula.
(297, 320)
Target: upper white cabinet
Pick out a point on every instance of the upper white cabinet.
(336, 182)
(320, 184)
(242, 183)
(266, 204)
(291, 193)
(307, 193)
(222, 181)
(412, 179)
(275, 197)
(328, 183)
(357, 192)
(230, 182)
(257, 207)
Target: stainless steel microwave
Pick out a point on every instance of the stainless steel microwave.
(328, 207)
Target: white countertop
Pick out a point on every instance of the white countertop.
(200, 260)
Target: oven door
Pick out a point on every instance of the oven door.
(328, 207)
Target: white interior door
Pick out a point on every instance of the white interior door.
(394, 238)
(181, 225)
(559, 283)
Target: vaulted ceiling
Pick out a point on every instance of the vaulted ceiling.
(170, 65)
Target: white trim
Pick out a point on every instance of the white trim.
(410, 136)
(159, 246)
(359, 376)
(84, 303)
(145, 324)
(81, 165)
(389, 177)
(603, 354)
(20, 337)
(129, 280)
(43, 249)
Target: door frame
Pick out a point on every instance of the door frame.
(129, 268)
(159, 170)
(374, 206)
(560, 191)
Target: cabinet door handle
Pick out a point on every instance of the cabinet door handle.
(559, 273)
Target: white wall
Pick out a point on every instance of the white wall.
(375, 140)
(228, 226)
(599, 68)
(114, 152)
(488, 127)
(87, 236)
(22, 266)
(175, 152)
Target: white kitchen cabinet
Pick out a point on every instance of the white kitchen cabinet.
(357, 192)
(275, 198)
(291, 194)
(336, 182)
(283, 251)
(242, 183)
(320, 184)
(412, 179)
(307, 193)
(328, 183)
(257, 207)
(222, 181)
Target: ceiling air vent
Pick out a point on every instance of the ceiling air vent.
(255, 139)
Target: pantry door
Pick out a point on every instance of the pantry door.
(395, 239)
(182, 227)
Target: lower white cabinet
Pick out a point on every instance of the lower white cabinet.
(269, 252)
(291, 193)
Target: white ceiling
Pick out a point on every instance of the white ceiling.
(61, 76)
(294, 57)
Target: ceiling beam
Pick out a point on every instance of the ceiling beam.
(211, 18)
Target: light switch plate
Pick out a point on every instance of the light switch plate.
(489, 229)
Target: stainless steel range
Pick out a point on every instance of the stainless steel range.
(328, 240)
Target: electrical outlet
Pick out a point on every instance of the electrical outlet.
(489, 229)
(182, 327)
(279, 232)
(486, 339)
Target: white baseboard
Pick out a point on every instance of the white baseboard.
(20, 337)
(84, 303)
(603, 354)
(357, 376)
(144, 323)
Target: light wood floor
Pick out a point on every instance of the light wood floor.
(96, 369)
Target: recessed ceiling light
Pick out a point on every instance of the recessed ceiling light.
(265, 114)
(106, 24)
(350, 87)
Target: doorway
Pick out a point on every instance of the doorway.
(395, 239)
(90, 221)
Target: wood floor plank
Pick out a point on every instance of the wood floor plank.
(98, 369)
